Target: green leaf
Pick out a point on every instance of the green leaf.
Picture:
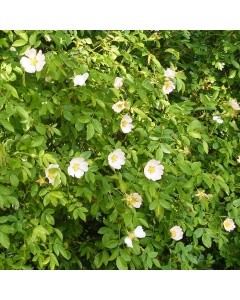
(90, 131)
(50, 219)
(152, 254)
(84, 119)
(185, 168)
(14, 180)
(140, 113)
(7, 229)
(3, 219)
(207, 179)
(112, 244)
(4, 240)
(56, 194)
(121, 263)
(196, 135)
(37, 141)
(164, 204)
(174, 52)
(199, 232)
(232, 74)
(59, 233)
(19, 43)
(143, 222)
(193, 259)
(97, 126)
(100, 103)
(23, 113)
(205, 147)
(207, 241)
(7, 125)
(11, 89)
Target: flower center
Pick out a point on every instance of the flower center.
(114, 158)
(124, 123)
(151, 169)
(51, 175)
(119, 106)
(202, 195)
(75, 167)
(131, 200)
(227, 224)
(167, 85)
(131, 235)
(33, 61)
(174, 233)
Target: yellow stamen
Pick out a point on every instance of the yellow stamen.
(131, 235)
(202, 195)
(41, 181)
(51, 175)
(114, 158)
(151, 169)
(33, 61)
(174, 233)
(119, 106)
(167, 85)
(75, 167)
(124, 123)
(227, 224)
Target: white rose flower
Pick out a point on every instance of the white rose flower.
(15, 207)
(229, 224)
(118, 82)
(218, 119)
(169, 73)
(168, 87)
(77, 167)
(33, 62)
(201, 194)
(126, 125)
(138, 233)
(80, 79)
(153, 170)
(234, 104)
(134, 200)
(128, 241)
(52, 172)
(176, 233)
(238, 159)
(116, 159)
(119, 106)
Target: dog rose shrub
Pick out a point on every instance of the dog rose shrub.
(119, 150)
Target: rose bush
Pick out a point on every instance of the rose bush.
(119, 150)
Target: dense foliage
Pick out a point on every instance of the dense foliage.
(46, 120)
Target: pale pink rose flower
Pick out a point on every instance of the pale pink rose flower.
(168, 87)
(116, 159)
(32, 61)
(80, 79)
(153, 170)
(176, 233)
(218, 119)
(77, 167)
(169, 73)
(52, 172)
(126, 125)
(119, 106)
(234, 104)
(229, 225)
(118, 82)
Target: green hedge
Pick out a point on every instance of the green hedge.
(164, 98)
